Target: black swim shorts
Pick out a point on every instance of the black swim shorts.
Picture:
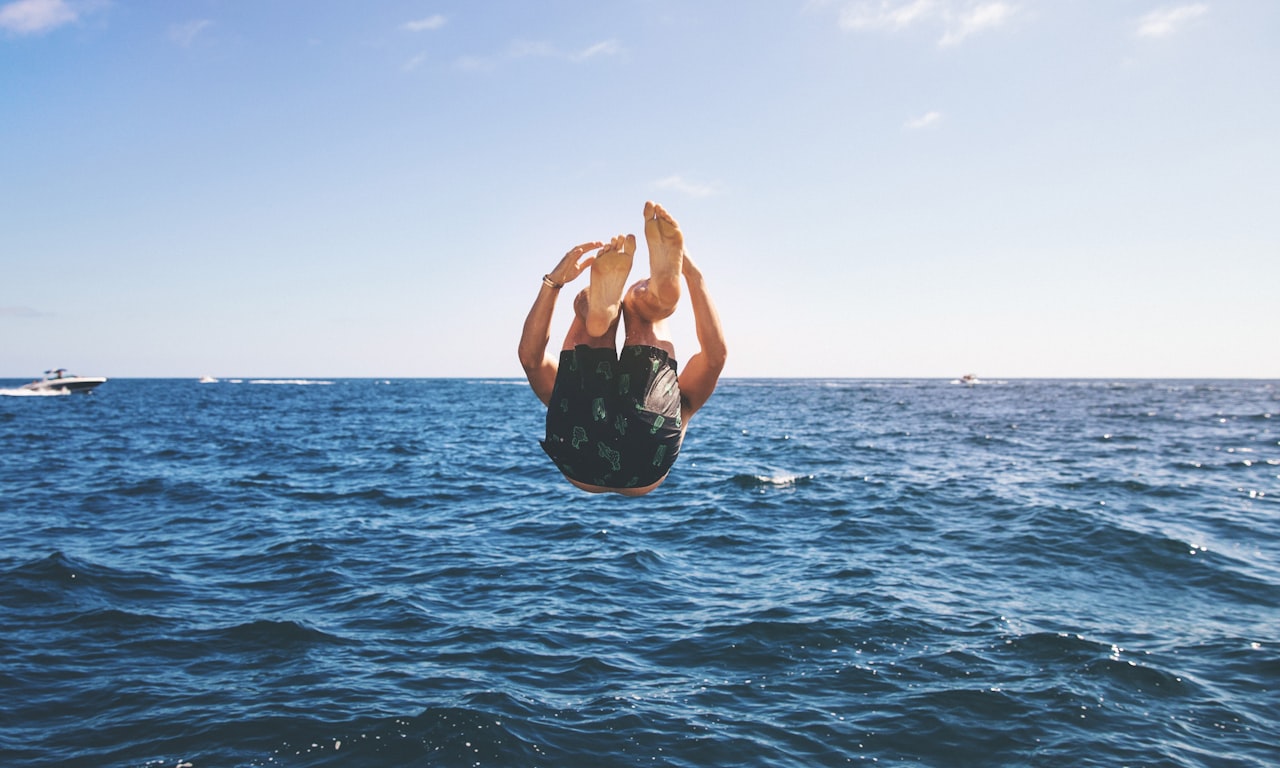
(614, 421)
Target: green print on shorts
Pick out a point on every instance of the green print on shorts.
(579, 437)
(613, 457)
(620, 424)
(564, 405)
(597, 409)
(657, 456)
(658, 421)
(605, 370)
(624, 383)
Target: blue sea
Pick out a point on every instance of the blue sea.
(838, 572)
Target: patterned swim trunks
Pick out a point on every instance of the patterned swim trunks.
(614, 421)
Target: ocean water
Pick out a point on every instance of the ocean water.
(843, 572)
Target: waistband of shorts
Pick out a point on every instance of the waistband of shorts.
(647, 350)
(643, 350)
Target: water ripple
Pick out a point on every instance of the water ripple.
(899, 572)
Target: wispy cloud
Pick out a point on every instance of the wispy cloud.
(186, 33)
(958, 18)
(923, 121)
(886, 14)
(526, 49)
(685, 187)
(428, 24)
(20, 312)
(605, 48)
(414, 62)
(29, 17)
(976, 19)
(1166, 21)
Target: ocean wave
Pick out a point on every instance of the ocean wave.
(296, 382)
(1121, 672)
(780, 480)
(268, 635)
(435, 736)
(58, 578)
(396, 575)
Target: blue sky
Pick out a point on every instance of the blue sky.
(874, 189)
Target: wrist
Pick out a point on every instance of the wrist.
(551, 283)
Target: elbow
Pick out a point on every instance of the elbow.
(716, 357)
(527, 360)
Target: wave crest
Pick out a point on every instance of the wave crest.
(779, 480)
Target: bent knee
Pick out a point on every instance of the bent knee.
(648, 303)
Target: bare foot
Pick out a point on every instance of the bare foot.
(609, 274)
(666, 256)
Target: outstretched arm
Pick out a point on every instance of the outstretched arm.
(539, 367)
(702, 372)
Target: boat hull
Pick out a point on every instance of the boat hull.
(74, 384)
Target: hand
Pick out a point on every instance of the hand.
(573, 263)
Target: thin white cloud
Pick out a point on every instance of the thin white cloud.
(29, 17)
(186, 33)
(414, 62)
(958, 18)
(428, 24)
(605, 48)
(886, 14)
(685, 187)
(1166, 21)
(976, 19)
(923, 121)
(527, 49)
(475, 63)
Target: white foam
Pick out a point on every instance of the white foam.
(297, 382)
(781, 480)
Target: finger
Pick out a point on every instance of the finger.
(577, 268)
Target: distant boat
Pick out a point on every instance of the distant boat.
(58, 380)
(969, 379)
(208, 380)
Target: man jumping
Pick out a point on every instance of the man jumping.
(615, 423)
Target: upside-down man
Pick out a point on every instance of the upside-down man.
(615, 423)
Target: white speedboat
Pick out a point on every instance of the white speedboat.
(58, 380)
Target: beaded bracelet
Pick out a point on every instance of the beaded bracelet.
(547, 281)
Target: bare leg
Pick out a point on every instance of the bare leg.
(613, 263)
(641, 330)
(608, 277)
(656, 298)
(578, 328)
